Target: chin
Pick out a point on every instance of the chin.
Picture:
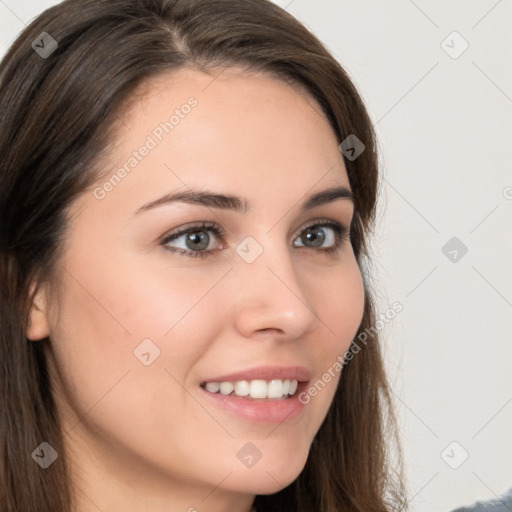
(270, 476)
(263, 483)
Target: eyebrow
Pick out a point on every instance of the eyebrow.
(238, 204)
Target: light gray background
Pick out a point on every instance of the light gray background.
(444, 127)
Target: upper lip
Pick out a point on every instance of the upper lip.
(299, 373)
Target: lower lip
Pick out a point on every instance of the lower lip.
(260, 410)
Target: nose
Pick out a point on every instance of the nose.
(269, 298)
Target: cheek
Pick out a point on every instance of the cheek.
(340, 306)
(108, 389)
(121, 318)
(156, 301)
(112, 317)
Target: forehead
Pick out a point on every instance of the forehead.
(258, 103)
(243, 133)
(230, 83)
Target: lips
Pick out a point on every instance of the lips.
(277, 403)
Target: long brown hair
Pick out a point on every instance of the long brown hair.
(60, 93)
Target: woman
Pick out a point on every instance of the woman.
(186, 191)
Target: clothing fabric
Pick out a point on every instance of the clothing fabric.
(502, 503)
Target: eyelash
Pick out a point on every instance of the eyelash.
(340, 231)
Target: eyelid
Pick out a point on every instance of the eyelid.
(191, 226)
(317, 222)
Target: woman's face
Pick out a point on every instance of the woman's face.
(143, 319)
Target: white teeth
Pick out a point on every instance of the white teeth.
(257, 388)
(275, 389)
(226, 388)
(212, 387)
(241, 388)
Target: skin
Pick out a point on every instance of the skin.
(144, 437)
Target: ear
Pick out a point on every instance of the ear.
(38, 327)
